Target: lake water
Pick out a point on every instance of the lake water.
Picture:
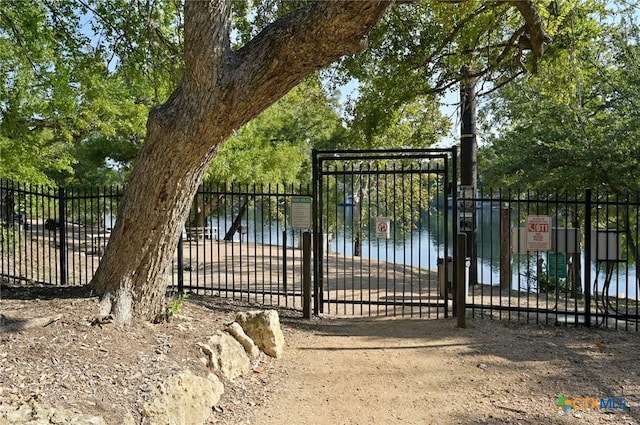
(424, 245)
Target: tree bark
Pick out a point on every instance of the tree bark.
(220, 91)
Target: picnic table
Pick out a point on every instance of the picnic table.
(196, 233)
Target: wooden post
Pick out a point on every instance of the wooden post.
(469, 161)
(505, 249)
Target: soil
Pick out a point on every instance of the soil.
(335, 370)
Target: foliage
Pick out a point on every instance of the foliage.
(575, 124)
(8, 239)
(102, 65)
(176, 305)
(275, 147)
(552, 285)
(421, 51)
(98, 72)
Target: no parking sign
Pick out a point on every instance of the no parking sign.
(383, 227)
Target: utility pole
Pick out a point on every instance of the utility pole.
(468, 168)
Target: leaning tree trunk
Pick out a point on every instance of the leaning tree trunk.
(221, 90)
(201, 209)
(132, 278)
(237, 222)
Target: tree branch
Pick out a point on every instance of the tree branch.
(296, 45)
(537, 35)
(207, 44)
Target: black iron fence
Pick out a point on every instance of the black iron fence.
(543, 258)
(236, 241)
(384, 214)
(557, 258)
(54, 236)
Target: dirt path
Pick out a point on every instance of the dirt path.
(397, 371)
(334, 370)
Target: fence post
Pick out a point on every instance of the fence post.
(505, 249)
(318, 304)
(180, 265)
(587, 258)
(306, 275)
(284, 261)
(461, 281)
(62, 220)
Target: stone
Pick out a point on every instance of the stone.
(34, 413)
(226, 355)
(263, 326)
(238, 333)
(184, 399)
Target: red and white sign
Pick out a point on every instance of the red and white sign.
(383, 228)
(538, 233)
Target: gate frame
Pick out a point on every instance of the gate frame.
(449, 155)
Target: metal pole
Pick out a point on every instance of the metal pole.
(306, 275)
(460, 286)
(317, 235)
(180, 265)
(587, 258)
(284, 261)
(62, 218)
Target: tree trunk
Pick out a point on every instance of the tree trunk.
(133, 276)
(237, 222)
(201, 208)
(220, 91)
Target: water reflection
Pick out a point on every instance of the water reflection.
(422, 245)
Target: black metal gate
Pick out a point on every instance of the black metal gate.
(383, 231)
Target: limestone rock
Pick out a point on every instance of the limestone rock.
(184, 399)
(226, 355)
(238, 333)
(263, 326)
(33, 413)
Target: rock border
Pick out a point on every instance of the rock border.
(184, 398)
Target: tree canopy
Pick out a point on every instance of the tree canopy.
(575, 123)
(275, 147)
(94, 86)
(102, 66)
(421, 50)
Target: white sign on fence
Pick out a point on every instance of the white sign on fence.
(301, 212)
(538, 233)
(383, 227)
